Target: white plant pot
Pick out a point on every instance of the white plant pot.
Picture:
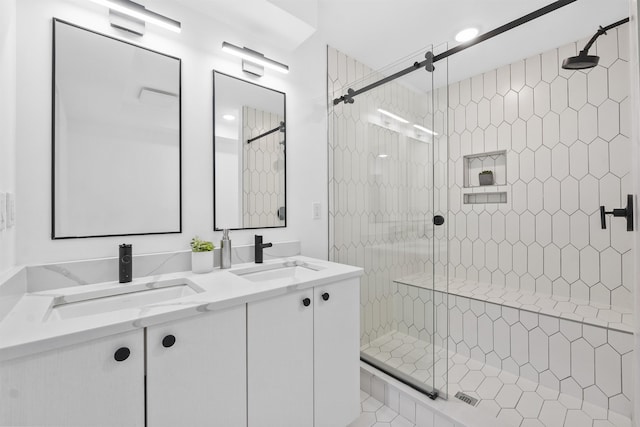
(202, 262)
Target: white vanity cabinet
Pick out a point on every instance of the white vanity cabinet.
(272, 356)
(195, 376)
(280, 361)
(336, 368)
(196, 371)
(303, 357)
(80, 385)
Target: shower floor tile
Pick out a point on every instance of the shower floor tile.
(375, 414)
(515, 400)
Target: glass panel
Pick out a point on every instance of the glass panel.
(381, 213)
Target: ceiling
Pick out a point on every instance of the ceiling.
(379, 32)
(392, 34)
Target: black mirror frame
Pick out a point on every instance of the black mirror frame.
(53, 134)
(284, 95)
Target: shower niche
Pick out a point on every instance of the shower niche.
(475, 164)
(484, 177)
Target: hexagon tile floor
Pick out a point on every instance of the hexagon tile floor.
(375, 414)
(517, 401)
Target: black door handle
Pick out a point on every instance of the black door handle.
(626, 212)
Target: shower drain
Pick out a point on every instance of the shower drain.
(466, 398)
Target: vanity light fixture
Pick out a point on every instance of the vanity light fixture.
(424, 129)
(254, 58)
(466, 35)
(228, 117)
(382, 156)
(138, 11)
(393, 116)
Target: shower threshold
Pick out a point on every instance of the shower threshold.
(515, 400)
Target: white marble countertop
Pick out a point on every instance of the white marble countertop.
(25, 330)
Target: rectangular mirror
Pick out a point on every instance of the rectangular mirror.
(249, 155)
(116, 137)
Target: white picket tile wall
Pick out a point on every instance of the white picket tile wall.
(380, 188)
(589, 362)
(568, 152)
(263, 169)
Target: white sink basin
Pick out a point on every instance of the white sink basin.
(287, 271)
(119, 298)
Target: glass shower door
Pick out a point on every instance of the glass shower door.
(385, 157)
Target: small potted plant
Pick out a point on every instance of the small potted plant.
(201, 255)
(486, 178)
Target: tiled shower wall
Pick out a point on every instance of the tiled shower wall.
(380, 207)
(263, 169)
(589, 362)
(566, 134)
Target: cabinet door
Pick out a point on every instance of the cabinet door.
(198, 377)
(337, 353)
(80, 385)
(280, 361)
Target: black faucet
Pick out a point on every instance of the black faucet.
(259, 246)
(125, 263)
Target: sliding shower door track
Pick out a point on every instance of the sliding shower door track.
(431, 392)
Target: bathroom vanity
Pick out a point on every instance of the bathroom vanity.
(257, 345)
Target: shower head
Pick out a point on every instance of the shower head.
(580, 62)
(584, 60)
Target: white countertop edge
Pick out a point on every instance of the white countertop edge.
(23, 334)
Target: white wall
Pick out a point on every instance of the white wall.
(7, 121)
(228, 190)
(199, 48)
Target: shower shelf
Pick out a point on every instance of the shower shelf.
(488, 197)
(575, 309)
(473, 164)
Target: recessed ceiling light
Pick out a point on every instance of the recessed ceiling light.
(228, 117)
(382, 156)
(424, 129)
(466, 35)
(393, 116)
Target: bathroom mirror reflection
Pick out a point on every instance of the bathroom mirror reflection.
(116, 137)
(249, 155)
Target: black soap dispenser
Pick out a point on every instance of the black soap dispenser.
(125, 263)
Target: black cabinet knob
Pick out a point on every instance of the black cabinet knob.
(325, 296)
(306, 302)
(168, 341)
(122, 354)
